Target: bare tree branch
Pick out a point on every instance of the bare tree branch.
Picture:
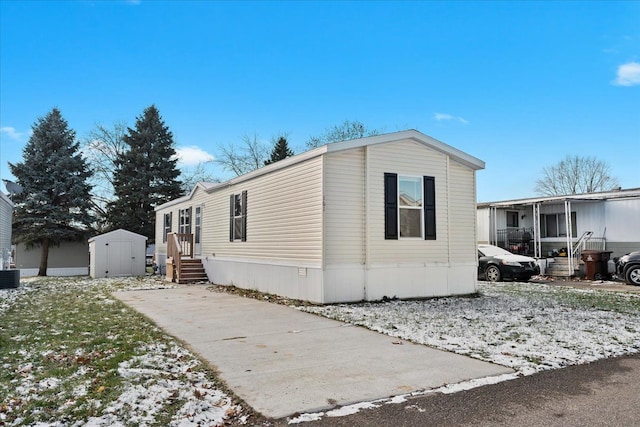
(345, 131)
(240, 160)
(197, 174)
(101, 147)
(576, 175)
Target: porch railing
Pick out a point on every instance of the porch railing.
(179, 245)
(516, 240)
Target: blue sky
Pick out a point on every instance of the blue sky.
(519, 85)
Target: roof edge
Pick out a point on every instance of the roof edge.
(411, 134)
(600, 195)
(7, 199)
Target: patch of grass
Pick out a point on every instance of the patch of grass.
(63, 344)
(569, 297)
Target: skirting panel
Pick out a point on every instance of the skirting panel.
(60, 272)
(420, 281)
(345, 283)
(303, 283)
(352, 283)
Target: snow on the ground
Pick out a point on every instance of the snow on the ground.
(528, 327)
(525, 326)
(161, 372)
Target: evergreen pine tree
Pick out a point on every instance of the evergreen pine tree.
(280, 151)
(54, 205)
(146, 175)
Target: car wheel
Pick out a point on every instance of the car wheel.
(493, 274)
(633, 275)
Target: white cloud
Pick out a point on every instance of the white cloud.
(628, 74)
(442, 116)
(11, 133)
(192, 156)
(445, 117)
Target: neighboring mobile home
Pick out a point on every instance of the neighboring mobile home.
(67, 259)
(6, 213)
(543, 226)
(386, 216)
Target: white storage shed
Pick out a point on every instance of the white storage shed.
(116, 254)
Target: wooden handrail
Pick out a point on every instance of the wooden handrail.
(179, 245)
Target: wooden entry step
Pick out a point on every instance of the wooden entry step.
(191, 271)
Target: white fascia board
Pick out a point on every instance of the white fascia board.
(585, 197)
(119, 231)
(412, 134)
(205, 186)
(460, 156)
(213, 186)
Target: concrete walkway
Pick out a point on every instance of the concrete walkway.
(282, 361)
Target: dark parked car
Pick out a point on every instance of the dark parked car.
(496, 264)
(628, 268)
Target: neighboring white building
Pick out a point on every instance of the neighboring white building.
(605, 221)
(386, 216)
(6, 213)
(69, 258)
(117, 253)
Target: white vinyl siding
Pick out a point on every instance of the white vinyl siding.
(198, 198)
(344, 207)
(462, 193)
(284, 217)
(6, 211)
(406, 158)
(622, 219)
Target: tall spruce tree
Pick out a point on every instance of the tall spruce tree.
(146, 175)
(54, 205)
(280, 151)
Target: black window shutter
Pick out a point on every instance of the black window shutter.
(244, 216)
(391, 206)
(429, 208)
(232, 200)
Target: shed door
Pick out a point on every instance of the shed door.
(120, 259)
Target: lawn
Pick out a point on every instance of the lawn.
(526, 326)
(73, 355)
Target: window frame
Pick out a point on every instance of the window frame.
(184, 221)
(167, 227)
(428, 222)
(238, 214)
(197, 223)
(513, 215)
(559, 225)
(418, 179)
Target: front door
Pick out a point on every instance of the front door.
(197, 231)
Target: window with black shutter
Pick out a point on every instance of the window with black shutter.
(410, 207)
(429, 208)
(391, 206)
